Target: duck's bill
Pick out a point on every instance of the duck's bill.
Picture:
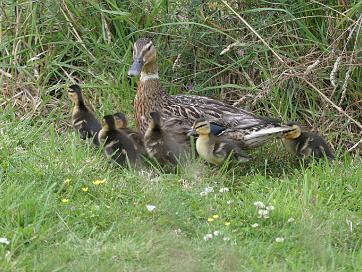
(136, 67)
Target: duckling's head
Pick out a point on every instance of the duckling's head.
(155, 121)
(201, 127)
(295, 133)
(75, 93)
(109, 122)
(144, 52)
(120, 120)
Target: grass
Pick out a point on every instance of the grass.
(109, 227)
(46, 45)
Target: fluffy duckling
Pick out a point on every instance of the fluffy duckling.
(117, 145)
(215, 149)
(306, 143)
(83, 119)
(122, 125)
(161, 145)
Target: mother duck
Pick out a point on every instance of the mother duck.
(180, 111)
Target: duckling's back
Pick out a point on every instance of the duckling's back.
(84, 121)
(119, 146)
(136, 137)
(163, 147)
(216, 149)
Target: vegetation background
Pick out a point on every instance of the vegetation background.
(294, 60)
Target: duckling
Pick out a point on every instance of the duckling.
(161, 145)
(216, 149)
(306, 143)
(83, 120)
(117, 144)
(122, 125)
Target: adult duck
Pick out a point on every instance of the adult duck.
(180, 111)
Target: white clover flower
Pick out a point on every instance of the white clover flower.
(224, 190)
(259, 205)
(150, 208)
(203, 193)
(8, 255)
(209, 190)
(177, 231)
(279, 239)
(291, 220)
(4, 240)
(230, 202)
(255, 225)
(263, 213)
(226, 238)
(208, 237)
(217, 233)
(270, 208)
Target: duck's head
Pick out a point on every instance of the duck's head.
(295, 133)
(201, 127)
(75, 93)
(120, 120)
(155, 120)
(144, 52)
(108, 121)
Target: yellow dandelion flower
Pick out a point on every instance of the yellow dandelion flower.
(215, 216)
(66, 181)
(65, 200)
(210, 219)
(227, 223)
(85, 189)
(99, 181)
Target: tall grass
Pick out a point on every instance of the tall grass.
(46, 45)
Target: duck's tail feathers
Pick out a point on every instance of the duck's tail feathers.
(260, 136)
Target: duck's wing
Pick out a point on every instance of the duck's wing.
(82, 127)
(256, 135)
(192, 107)
(231, 122)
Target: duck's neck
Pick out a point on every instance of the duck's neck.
(204, 147)
(206, 139)
(102, 135)
(150, 95)
(149, 72)
(80, 103)
(106, 127)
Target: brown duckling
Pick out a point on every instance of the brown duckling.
(306, 143)
(122, 125)
(163, 146)
(83, 119)
(117, 144)
(216, 149)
